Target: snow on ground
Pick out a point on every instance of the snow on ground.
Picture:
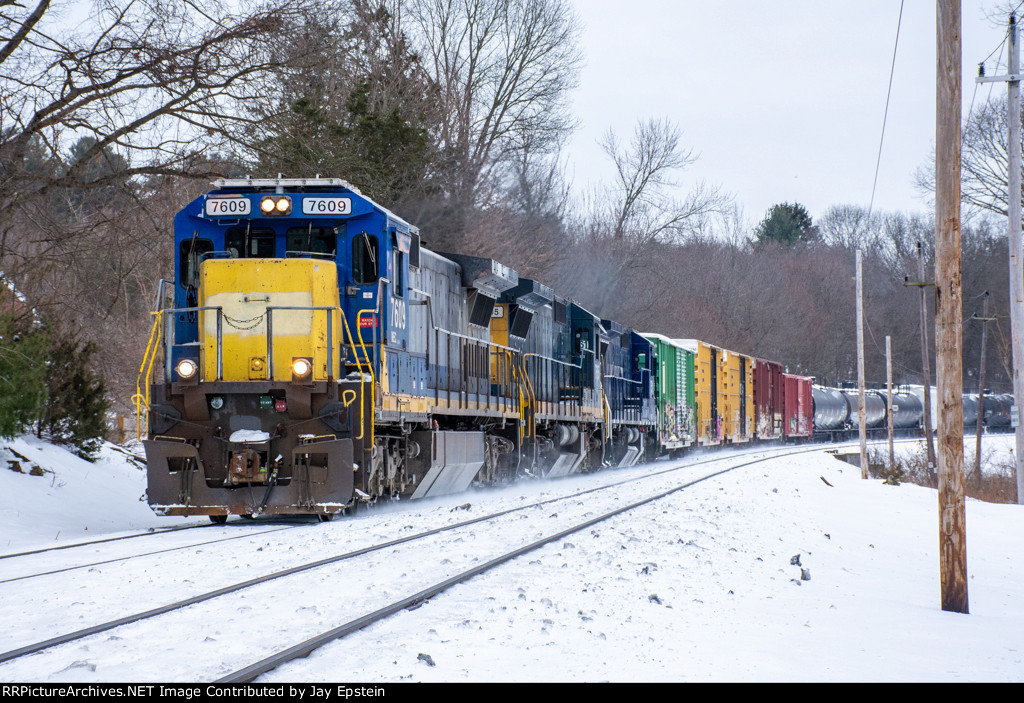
(73, 500)
(700, 586)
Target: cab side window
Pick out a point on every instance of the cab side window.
(191, 254)
(365, 259)
(398, 290)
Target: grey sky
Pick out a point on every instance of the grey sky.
(783, 99)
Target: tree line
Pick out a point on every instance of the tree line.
(453, 114)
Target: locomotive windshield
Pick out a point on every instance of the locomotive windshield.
(311, 240)
(250, 242)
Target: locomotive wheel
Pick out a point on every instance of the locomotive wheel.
(218, 519)
(321, 517)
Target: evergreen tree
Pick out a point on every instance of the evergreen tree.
(76, 400)
(22, 376)
(786, 224)
(103, 178)
(359, 108)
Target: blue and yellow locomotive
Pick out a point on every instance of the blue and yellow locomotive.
(315, 355)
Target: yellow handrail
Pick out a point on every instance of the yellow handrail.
(531, 396)
(359, 366)
(141, 396)
(607, 417)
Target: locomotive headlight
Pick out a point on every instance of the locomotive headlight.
(187, 369)
(301, 368)
(276, 205)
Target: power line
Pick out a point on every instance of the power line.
(892, 70)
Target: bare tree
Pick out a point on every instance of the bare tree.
(616, 233)
(161, 83)
(504, 70)
(984, 159)
(849, 226)
(103, 106)
(642, 203)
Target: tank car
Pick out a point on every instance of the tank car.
(969, 404)
(998, 411)
(831, 411)
(907, 410)
(874, 409)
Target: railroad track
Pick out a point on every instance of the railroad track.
(575, 515)
(92, 543)
(99, 562)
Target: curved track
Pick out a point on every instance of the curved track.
(428, 551)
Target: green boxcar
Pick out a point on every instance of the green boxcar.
(677, 403)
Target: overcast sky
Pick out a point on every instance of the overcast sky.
(783, 99)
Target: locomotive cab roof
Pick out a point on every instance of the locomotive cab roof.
(283, 185)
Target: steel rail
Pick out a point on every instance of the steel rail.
(307, 647)
(103, 627)
(146, 554)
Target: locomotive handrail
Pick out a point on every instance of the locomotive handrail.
(623, 378)
(562, 363)
(312, 308)
(161, 293)
(457, 335)
(141, 396)
(220, 334)
(369, 365)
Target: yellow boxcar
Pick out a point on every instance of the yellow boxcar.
(243, 290)
(724, 382)
(706, 367)
(737, 372)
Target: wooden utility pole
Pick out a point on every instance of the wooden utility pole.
(981, 387)
(888, 387)
(948, 301)
(926, 371)
(1016, 255)
(1013, 210)
(861, 409)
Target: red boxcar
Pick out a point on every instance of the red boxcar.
(798, 412)
(768, 391)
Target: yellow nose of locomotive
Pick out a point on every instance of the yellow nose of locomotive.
(272, 312)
